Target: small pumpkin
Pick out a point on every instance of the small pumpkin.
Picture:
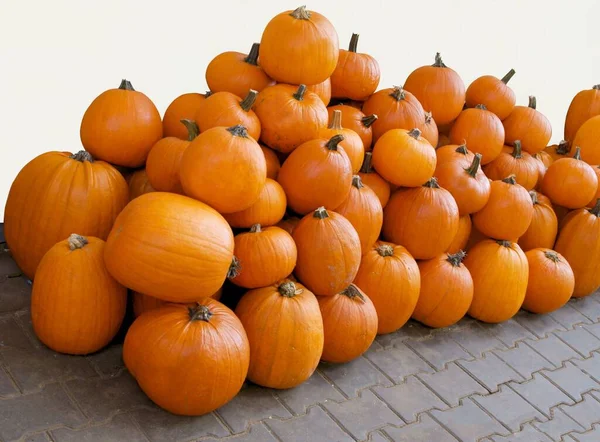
(481, 130)
(289, 224)
(592, 202)
(372, 179)
(352, 143)
(443, 140)
(587, 139)
(452, 153)
(528, 125)
(544, 225)
(144, 303)
(139, 184)
(227, 109)
(184, 107)
(540, 160)
(545, 157)
(355, 119)
(584, 105)
(558, 151)
(273, 164)
(323, 90)
(493, 93)
(462, 236)
(430, 130)
(513, 161)
(268, 210)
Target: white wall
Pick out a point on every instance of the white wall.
(57, 56)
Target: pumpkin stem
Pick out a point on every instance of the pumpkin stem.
(517, 151)
(563, 147)
(238, 131)
(333, 142)
(76, 241)
(301, 13)
(552, 256)
(369, 120)
(336, 120)
(199, 313)
(82, 156)
(428, 117)
(366, 165)
(474, 167)
(532, 102)
(534, 197)
(288, 289)
(353, 292)
(357, 182)
(248, 102)
(438, 61)
(596, 209)
(126, 85)
(256, 228)
(252, 57)
(511, 179)
(299, 94)
(192, 128)
(207, 94)
(456, 258)
(596, 87)
(385, 250)
(481, 106)
(320, 213)
(353, 43)
(415, 133)
(462, 149)
(398, 93)
(432, 183)
(234, 268)
(503, 242)
(577, 154)
(508, 76)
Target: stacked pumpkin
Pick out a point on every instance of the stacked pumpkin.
(339, 211)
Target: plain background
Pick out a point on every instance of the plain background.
(57, 56)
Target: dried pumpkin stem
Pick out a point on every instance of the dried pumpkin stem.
(252, 57)
(438, 61)
(247, 103)
(333, 142)
(428, 117)
(192, 128)
(301, 13)
(532, 102)
(369, 120)
(415, 133)
(577, 154)
(357, 182)
(534, 197)
(199, 313)
(77, 241)
(398, 93)
(517, 151)
(563, 147)
(456, 258)
(503, 242)
(126, 85)
(462, 149)
(256, 228)
(432, 183)
(596, 209)
(336, 120)
(234, 268)
(481, 106)
(353, 292)
(299, 94)
(207, 94)
(511, 179)
(508, 76)
(385, 250)
(366, 165)
(82, 156)
(288, 289)
(238, 131)
(552, 256)
(474, 167)
(321, 213)
(596, 87)
(352, 47)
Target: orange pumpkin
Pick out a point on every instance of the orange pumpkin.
(443, 140)
(595, 198)
(144, 303)
(323, 90)
(544, 225)
(452, 153)
(545, 157)
(587, 139)
(585, 105)
(493, 93)
(139, 184)
(355, 119)
(372, 179)
(184, 107)
(462, 236)
(558, 151)
(352, 143)
(120, 126)
(539, 162)
(430, 130)
(268, 210)
(513, 161)
(272, 160)
(227, 109)
(481, 130)
(289, 224)
(528, 125)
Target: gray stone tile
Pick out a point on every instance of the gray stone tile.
(119, 428)
(354, 375)
(21, 414)
(553, 349)
(315, 423)
(580, 340)
(593, 329)
(24, 320)
(541, 393)
(7, 264)
(591, 366)
(377, 436)
(590, 436)
(509, 332)
(398, 362)
(452, 384)
(15, 294)
(11, 334)
(524, 360)
(540, 325)
(362, 415)
(571, 380)
(37, 437)
(585, 413)
(425, 430)
(257, 433)
(476, 340)
(439, 350)
(7, 386)
(316, 389)
(411, 329)
(109, 361)
(528, 434)
(559, 424)
(587, 306)
(567, 316)
(491, 371)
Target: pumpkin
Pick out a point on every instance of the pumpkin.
(352, 143)
(544, 225)
(592, 202)
(273, 164)
(570, 182)
(268, 210)
(539, 162)
(289, 224)
(561, 213)
(584, 105)
(349, 324)
(299, 47)
(188, 360)
(289, 116)
(453, 153)
(323, 90)
(317, 173)
(184, 107)
(390, 277)
(500, 275)
(551, 281)
(429, 130)
(396, 108)
(139, 184)
(76, 306)
(190, 242)
(446, 290)
(579, 243)
(545, 157)
(412, 218)
(120, 126)
(164, 160)
(468, 185)
(282, 353)
(558, 151)
(356, 120)
(221, 150)
(329, 252)
(227, 109)
(144, 303)
(56, 194)
(263, 257)
(508, 212)
(462, 236)
(528, 125)
(493, 93)
(443, 140)
(404, 158)
(372, 179)
(237, 73)
(513, 161)
(363, 209)
(481, 130)
(587, 139)
(356, 75)
(439, 89)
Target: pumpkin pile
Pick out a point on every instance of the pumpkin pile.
(297, 210)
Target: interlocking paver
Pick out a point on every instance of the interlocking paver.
(591, 365)
(425, 430)
(567, 316)
(524, 359)
(509, 332)
(410, 398)
(559, 424)
(541, 393)
(585, 413)
(37, 437)
(15, 294)
(540, 325)
(398, 362)
(109, 361)
(362, 415)
(120, 428)
(257, 433)
(587, 306)
(411, 329)
(7, 387)
(11, 334)
(377, 436)
(316, 389)
(439, 350)
(7, 265)
(354, 376)
(527, 434)
(21, 414)
(452, 384)
(571, 380)
(581, 340)
(589, 436)
(490, 371)
(476, 340)
(554, 350)
(24, 320)
(314, 424)
(593, 329)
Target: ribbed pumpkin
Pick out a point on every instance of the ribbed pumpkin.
(513, 161)
(56, 194)
(500, 274)
(544, 225)
(588, 140)
(317, 173)
(268, 210)
(429, 129)
(273, 164)
(352, 143)
(191, 243)
(263, 257)
(289, 224)
(446, 290)
(184, 107)
(227, 109)
(139, 184)
(218, 151)
(545, 157)
(329, 252)
(584, 105)
(439, 89)
(120, 126)
(390, 277)
(144, 303)
(508, 212)
(355, 119)
(541, 161)
(76, 306)
(188, 360)
(454, 152)
(481, 130)
(404, 158)
(413, 217)
(551, 281)
(528, 125)
(493, 93)
(323, 90)
(237, 73)
(372, 179)
(349, 324)
(299, 47)
(462, 236)
(558, 151)
(285, 330)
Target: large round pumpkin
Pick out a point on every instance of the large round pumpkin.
(584, 105)
(587, 139)
(268, 210)
(371, 178)
(184, 107)
(513, 161)
(529, 126)
(544, 225)
(493, 93)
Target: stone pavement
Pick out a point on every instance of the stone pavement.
(530, 379)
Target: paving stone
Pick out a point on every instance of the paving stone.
(24, 320)
(581, 340)
(476, 340)
(509, 408)
(490, 371)
(109, 361)
(452, 384)
(567, 316)
(398, 362)
(410, 398)
(509, 332)
(585, 413)
(21, 414)
(37, 437)
(377, 436)
(593, 329)
(316, 389)
(590, 436)
(7, 264)
(527, 434)
(468, 422)
(587, 306)
(590, 365)
(571, 380)
(540, 325)
(541, 393)
(252, 404)
(257, 433)
(306, 427)
(102, 398)
(425, 430)
(362, 415)
(559, 424)
(354, 375)
(553, 349)
(119, 428)
(7, 387)
(439, 350)
(11, 334)
(524, 360)
(15, 294)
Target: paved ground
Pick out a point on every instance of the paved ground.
(533, 378)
